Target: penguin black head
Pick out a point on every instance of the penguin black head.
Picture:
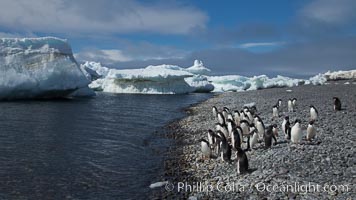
(297, 121)
(294, 99)
(274, 125)
(311, 122)
(226, 109)
(204, 140)
(252, 125)
(210, 131)
(286, 118)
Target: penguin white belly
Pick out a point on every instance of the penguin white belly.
(290, 106)
(296, 134)
(284, 126)
(205, 149)
(260, 129)
(311, 132)
(275, 112)
(313, 114)
(253, 141)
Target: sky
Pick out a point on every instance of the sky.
(297, 38)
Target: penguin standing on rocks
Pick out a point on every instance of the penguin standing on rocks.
(275, 112)
(296, 132)
(279, 103)
(337, 104)
(290, 106)
(260, 127)
(275, 130)
(211, 138)
(294, 102)
(215, 112)
(242, 161)
(268, 136)
(205, 149)
(237, 117)
(245, 126)
(221, 118)
(313, 113)
(226, 112)
(230, 126)
(284, 123)
(311, 131)
(225, 148)
(236, 139)
(254, 138)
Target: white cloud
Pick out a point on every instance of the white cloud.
(330, 11)
(260, 44)
(108, 56)
(95, 16)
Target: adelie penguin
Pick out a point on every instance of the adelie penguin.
(268, 136)
(275, 113)
(236, 139)
(279, 103)
(337, 104)
(215, 112)
(275, 130)
(284, 124)
(290, 106)
(237, 117)
(311, 131)
(296, 132)
(313, 113)
(254, 138)
(211, 138)
(241, 158)
(260, 127)
(221, 118)
(225, 148)
(205, 148)
(245, 126)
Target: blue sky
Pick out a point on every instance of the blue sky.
(293, 38)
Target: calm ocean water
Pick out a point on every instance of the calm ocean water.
(99, 148)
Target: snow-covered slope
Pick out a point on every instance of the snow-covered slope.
(38, 67)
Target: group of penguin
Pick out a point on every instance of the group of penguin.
(232, 127)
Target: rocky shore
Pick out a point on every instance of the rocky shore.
(323, 169)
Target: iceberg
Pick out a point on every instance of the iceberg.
(200, 84)
(340, 75)
(39, 68)
(198, 68)
(235, 83)
(160, 79)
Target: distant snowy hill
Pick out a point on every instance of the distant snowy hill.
(39, 67)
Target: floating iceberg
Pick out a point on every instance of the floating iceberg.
(38, 68)
(160, 79)
(340, 75)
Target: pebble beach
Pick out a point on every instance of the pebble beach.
(321, 169)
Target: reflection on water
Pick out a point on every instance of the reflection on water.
(96, 148)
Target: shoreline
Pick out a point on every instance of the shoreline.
(274, 166)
